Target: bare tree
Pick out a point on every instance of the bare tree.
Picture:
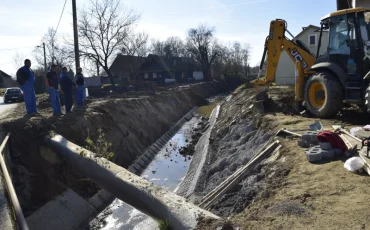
(232, 61)
(157, 47)
(56, 52)
(203, 47)
(104, 30)
(18, 60)
(136, 45)
(174, 47)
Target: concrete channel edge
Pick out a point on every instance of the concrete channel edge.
(152, 200)
(103, 198)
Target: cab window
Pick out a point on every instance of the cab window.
(339, 35)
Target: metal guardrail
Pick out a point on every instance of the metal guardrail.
(22, 224)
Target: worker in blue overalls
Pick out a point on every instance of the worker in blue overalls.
(52, 81)
(80, 90)
(26, 80)
(67, 84)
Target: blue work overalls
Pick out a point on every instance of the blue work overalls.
(54, 95)
(66, 84)
(80, 90)
(29, 91)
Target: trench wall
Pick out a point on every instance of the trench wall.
(131, 125)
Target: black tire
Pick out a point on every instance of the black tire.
(334, 95)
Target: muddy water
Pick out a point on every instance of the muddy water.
(167, 170)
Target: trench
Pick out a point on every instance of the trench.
(167, 169)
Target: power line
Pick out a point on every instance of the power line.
(61, 15)
(52, 40)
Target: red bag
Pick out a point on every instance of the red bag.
(334, 139)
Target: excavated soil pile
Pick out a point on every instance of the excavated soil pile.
(189, 148)
(129, 124)
(285, 191)
(237, 136)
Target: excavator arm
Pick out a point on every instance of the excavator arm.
(275, 43)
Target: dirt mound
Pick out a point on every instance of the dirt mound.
(235, 139)
(188, 150)
(284, 191)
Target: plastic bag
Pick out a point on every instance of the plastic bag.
(353, 131)
(354, 163)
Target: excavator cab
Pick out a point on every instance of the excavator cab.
(339, 73)
(325, 82)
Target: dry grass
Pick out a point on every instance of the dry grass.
(311, 196)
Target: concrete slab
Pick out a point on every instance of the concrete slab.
(142, 163)
(137, 167)
(310, 136)
(151, 152)
(66, 211)
(101, 200)
(157, 147)
(147, 157)
(325, 145)
(161, 142)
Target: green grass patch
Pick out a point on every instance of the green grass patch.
(164, 225)
(206, 111)
(242, 86)
(2, 91)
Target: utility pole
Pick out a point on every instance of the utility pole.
(75, 33)
(46, 68)
(97, 68)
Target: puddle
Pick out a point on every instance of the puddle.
(168, 169)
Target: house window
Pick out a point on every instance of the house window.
(312, 39)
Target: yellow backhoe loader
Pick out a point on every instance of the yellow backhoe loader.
(341, 75)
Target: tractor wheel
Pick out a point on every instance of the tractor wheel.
(323, 95)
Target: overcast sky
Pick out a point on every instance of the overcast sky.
(24, 22)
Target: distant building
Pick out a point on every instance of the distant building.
(94, 81)
(285, 73)
(153, 68)
(6, 80)
(126, 66)
(158, 68)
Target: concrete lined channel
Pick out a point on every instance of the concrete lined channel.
(167, 170)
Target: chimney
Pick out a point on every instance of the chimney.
(174, 62)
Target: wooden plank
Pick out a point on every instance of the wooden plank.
(235, 174)
(206, 197)
(237, 177)
(365, 159)
(235, 182)
(338, 127)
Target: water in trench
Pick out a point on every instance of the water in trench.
(167, 170)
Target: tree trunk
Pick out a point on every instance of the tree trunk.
(112, 81)
(110, 77)
(205, 74)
